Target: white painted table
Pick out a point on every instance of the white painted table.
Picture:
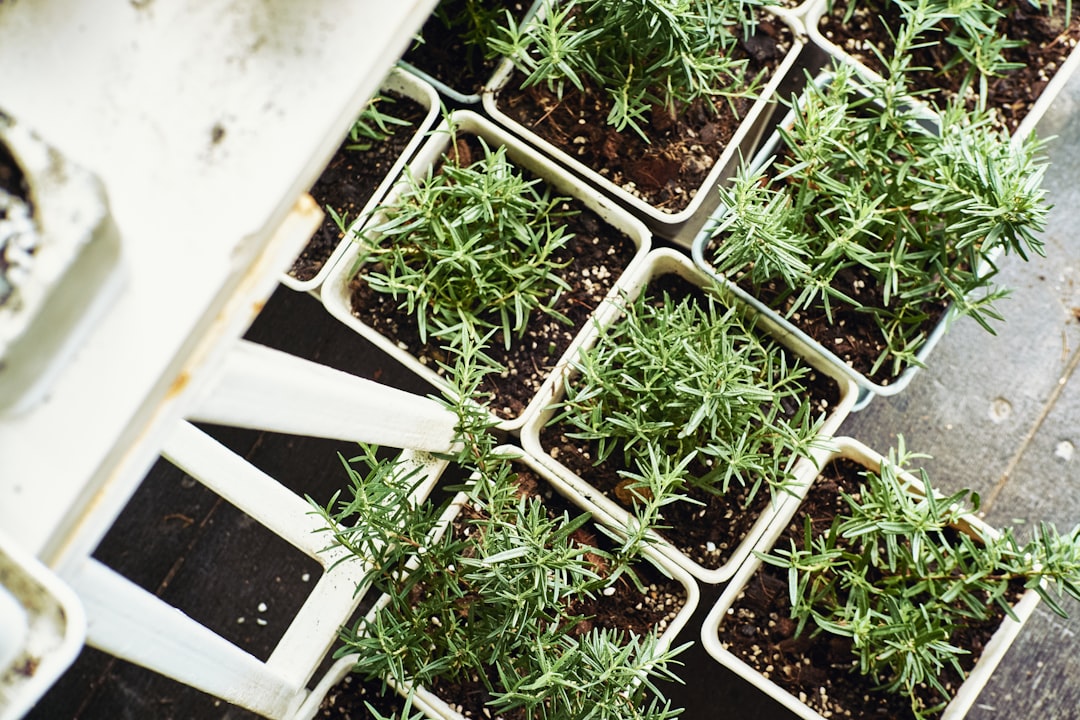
(207, 121)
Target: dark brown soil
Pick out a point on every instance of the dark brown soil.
(710, 532)
(1047, 44)
(596, 256)
(626, 609)
(821, 669)
(667, 169)
(445, 56)
(851, 335)
(350, 179)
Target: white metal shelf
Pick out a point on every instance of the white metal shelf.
(206, 121)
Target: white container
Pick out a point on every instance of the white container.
(660, 262)
(679, 227)
(867, 388)
(965, 695)
(816, 9)
(73, 272)
(335, 292)
(414, 88)
(437, 708)
(42, 625)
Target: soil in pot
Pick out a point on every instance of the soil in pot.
(708, 532)
(666, 169)
(448, 54)
(821, 670)
(350, 179)
(595, 257)
(349, 699)
(1047, 42)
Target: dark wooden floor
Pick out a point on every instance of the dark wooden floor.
(999, 414)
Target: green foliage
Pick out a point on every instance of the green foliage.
(473, 21)
(644, 54)
(469, 247)
(899, 573)
(691, 379)
(373, 125)
(867, 179)
(494, 599)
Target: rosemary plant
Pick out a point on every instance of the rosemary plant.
(690, 380)
(970, 28)
(492, 600)
(469, 247)
(866, 182)
(643, 54)
(899, 573)
(373, 125)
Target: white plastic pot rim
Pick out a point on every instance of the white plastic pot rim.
(965, 695)
(413, 88)
(336, 295)
(661, 221)
(659, 262)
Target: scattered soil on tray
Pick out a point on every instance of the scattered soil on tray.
(444, 54)
(349, 181)
(667, 169)
(1047, 43)
(595, 257)
(709, 532)
(821, 670)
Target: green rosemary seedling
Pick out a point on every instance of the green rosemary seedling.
(642, 53)
(865, 182)
(691, 380)
(374, 126)
(469, 247)
(899, 573)
(493, 599)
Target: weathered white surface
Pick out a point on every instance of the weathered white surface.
(205, 122)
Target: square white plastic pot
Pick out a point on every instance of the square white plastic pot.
(965, 695)
(660, 262)
(336, 294)
(60, 267)
(816, 9)
(679, 227)
(405, 85)
(438, 708)
(458, 95)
